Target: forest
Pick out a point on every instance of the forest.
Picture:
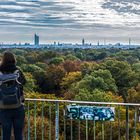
(111, 75)
(108, 75)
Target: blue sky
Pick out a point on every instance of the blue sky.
(70, 20)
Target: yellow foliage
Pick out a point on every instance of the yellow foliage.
(70, 78)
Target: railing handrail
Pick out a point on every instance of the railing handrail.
(84, 102)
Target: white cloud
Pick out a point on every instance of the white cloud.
(72, 15)
(81, 12)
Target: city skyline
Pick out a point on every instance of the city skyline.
(83, 42)
(70, 21)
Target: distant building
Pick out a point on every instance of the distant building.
(83, 41)
(27, 44)
(54, 43)
(36, 40)
(129, 41)
(117, 44)
(98, 44)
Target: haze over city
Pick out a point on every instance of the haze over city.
(70, 20)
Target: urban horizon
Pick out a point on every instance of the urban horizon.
(103, 41)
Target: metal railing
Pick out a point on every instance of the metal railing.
(46, 120)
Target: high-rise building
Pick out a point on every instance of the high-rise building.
(98, 43)
(83, 41)
(36, 39)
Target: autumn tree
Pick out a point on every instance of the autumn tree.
(71, 66)
(54, 76)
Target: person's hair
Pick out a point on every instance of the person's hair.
(8, 58)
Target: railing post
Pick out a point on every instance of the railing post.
(86, 129)
(28, 120)
(42, 115)
(119, 129)
(35, 136)
(94, 130)
(111, 131)
(79, 130)
(64, 116)
(56, 121)
(127, 122)
(71, 128)
(103, 137)
(49, 121)
(135, 123)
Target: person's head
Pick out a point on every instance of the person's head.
(8, 58)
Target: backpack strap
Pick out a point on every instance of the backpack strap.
(17, 72)
(0, 80)
(1, 73)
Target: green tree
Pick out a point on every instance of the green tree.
(101, 79)
(56, 60)
(122, 73)
(88, 67)
(21, 60)
(136, 67)
(30, 68)
(31, 83)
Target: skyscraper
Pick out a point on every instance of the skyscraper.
(36, 39)
(98, 44)
(83, 41)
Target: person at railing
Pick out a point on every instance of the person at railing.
(12, 117)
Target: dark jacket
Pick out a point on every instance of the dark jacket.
(10, 68)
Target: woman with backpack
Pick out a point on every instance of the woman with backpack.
(12, 112)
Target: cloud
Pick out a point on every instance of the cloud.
(123, 6)
(70, 13)
(75, 15)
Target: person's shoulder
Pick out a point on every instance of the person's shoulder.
(1, 67)
(19, 70)
(22, 78)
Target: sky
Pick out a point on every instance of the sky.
(70, 21)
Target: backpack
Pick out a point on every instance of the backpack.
(10, 91)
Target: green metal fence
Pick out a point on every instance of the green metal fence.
(46, 120)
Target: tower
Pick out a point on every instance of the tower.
(83, 41)
(36, 39)
(98, 44)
